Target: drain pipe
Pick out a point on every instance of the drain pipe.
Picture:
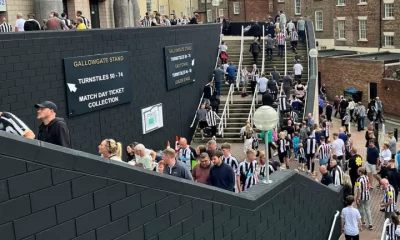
(380, 26)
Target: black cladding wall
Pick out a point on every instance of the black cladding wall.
(52, 193)
(31, 70)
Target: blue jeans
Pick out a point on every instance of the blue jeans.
(218, 87)
(269, 54)
(281, 50)
(361, 123)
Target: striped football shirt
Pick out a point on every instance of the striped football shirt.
(231, 161)
(246, 171)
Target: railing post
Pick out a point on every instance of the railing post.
(263, 50)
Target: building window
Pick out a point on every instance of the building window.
(297, 8)
(388, 41)
(209, 16)
(221, 12)
(319, 21)
(236, 9)
(162, 10)
(340, 3)
(362, 29)
(389, 10)
(181, 14)
(148, 5)
(203, 1)
(208, 1)
(188, 11)
(363, 1)
(341, 32)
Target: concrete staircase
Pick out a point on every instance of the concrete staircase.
(239, 110)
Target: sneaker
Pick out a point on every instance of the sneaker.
(214, 138)
(226, 83)
(370, 227)
(363, 223)
(202, 138)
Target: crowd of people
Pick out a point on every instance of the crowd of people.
(54, 22)
(157, 19)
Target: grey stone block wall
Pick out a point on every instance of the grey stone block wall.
(31, 70)
(42, 199)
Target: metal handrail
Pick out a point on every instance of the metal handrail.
(239, 70)
(253, 105)
(225, 113)
(216, 64)
(263, 51)
(385, 224)
(309, 65)
(333, 225)
(285, 57)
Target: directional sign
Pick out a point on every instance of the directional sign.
(96, 82)
(179, 64)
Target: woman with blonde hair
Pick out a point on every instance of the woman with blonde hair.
(110, 149)
(347, 187)
(247, 133)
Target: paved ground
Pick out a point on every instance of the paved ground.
(359, 143)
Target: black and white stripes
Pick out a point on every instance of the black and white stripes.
(5, 27)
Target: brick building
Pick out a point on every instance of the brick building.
(320, 12)
(370, 73)
(367, 25)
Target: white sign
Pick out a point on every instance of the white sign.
(152, 118)
(3, 6)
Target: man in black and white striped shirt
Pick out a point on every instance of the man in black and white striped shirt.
(4, 26)
(84, 19)
(310, 147)
(324, 152)
(12, 124)
(146, 21)
(388, 203)
(283, 106)
(246, 174)
(228, 158)
(336, 173)
(364, 197)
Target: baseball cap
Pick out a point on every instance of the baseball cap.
(387, 158)
(47, 104)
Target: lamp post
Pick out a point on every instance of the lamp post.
(265, 118)
(215, 3)
(313, 53)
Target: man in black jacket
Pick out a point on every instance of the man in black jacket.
(53, 129)
(393, 176)
(255, 50)
(267, 99)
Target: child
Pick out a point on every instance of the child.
(346, 121)
(296, 142)
(391, 229)
(288, 148)
(211, 118)
(302, 157)
(256, 142)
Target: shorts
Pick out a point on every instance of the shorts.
(323, 161)
(371, 168)
(203, 124)
(282, 156)
(288, 153)
(243, 83)
(302, 160)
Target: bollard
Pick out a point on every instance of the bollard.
(395, 133)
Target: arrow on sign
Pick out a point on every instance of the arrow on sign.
(193, 62)
(72, 87)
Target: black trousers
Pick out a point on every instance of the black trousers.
(347, 237)
(294, 45)
(213, 130)
(352, 119)
(329, 117)
(255, 57)
(253, 85)
(310, 158)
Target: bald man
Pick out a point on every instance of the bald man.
(186, 153)
(4, 26)
(388, 204)
(326, 177)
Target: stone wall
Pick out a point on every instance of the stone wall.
(31, 70)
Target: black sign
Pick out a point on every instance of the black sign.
(96, 82)
(179, 64)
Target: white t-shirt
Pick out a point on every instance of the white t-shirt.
(338, 146)
(20, 24)
(351, 216)
(386, 154)
(297, 69)
(262, 82)
(223, 48)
